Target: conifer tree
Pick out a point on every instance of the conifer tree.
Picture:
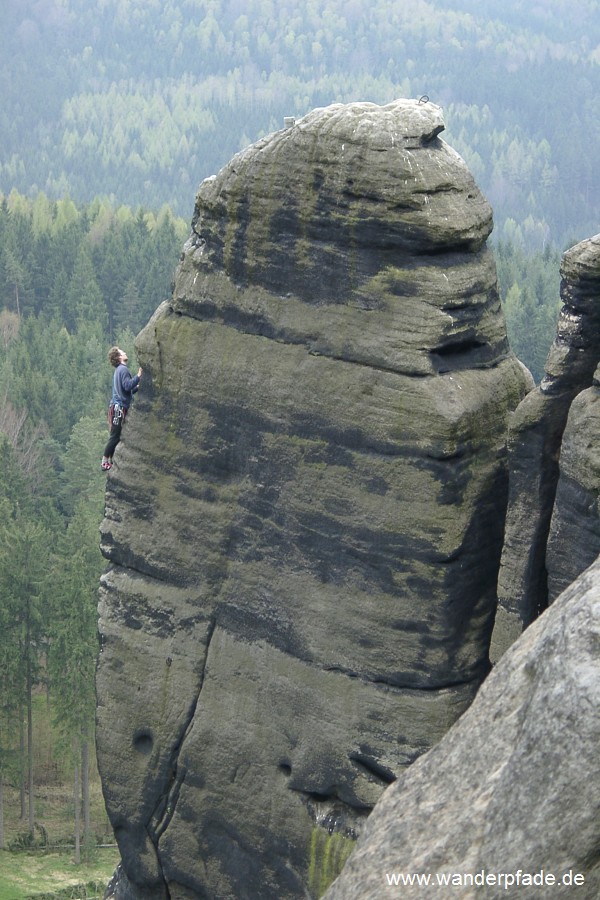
(84, 297)
(23, 571)
(10, 665)
(73, 648)
(129, 311)
(15, 278)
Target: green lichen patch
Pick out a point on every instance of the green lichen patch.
(328, 855)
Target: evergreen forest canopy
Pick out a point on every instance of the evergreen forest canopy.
(73, 280)
(139, 100)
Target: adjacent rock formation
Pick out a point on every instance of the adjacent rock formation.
(574, 539)
(534, 452)
(513, 787)
(305, 517)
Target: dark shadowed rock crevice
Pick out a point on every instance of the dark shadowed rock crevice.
(305, 518)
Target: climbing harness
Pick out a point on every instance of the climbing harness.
(116, 414)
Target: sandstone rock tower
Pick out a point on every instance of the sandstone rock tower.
(553, 518)
(305, 520)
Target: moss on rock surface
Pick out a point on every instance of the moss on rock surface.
(305, 518)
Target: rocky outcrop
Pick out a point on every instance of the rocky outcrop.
(514, 787)
(574, 538)
(535, 439)
(305, 517)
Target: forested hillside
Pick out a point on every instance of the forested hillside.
(140, 100)
(73, 280)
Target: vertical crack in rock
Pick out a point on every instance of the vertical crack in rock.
(165, 808)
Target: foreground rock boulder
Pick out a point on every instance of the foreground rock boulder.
(305, 518)
(535, 448)
(514, 787)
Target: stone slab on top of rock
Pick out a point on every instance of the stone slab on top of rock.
(305, 516)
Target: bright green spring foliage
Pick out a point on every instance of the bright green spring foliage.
(328, 855)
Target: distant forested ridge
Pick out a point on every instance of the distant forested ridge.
(139, 100)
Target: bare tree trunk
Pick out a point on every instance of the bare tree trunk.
(77, 801)
(85, 789)
(30, 749)
(2, 844)
(22, 760)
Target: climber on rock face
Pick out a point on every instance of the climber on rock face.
(125, 386)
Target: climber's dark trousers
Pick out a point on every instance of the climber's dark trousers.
(115, 433)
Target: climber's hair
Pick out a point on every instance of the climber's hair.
(114, 356)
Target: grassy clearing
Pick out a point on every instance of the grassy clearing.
(24, 875)
(54, 815)
(50, 869)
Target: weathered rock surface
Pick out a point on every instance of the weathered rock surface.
(574, 539)
(513, 787)
(306, 515)
(535, 438)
